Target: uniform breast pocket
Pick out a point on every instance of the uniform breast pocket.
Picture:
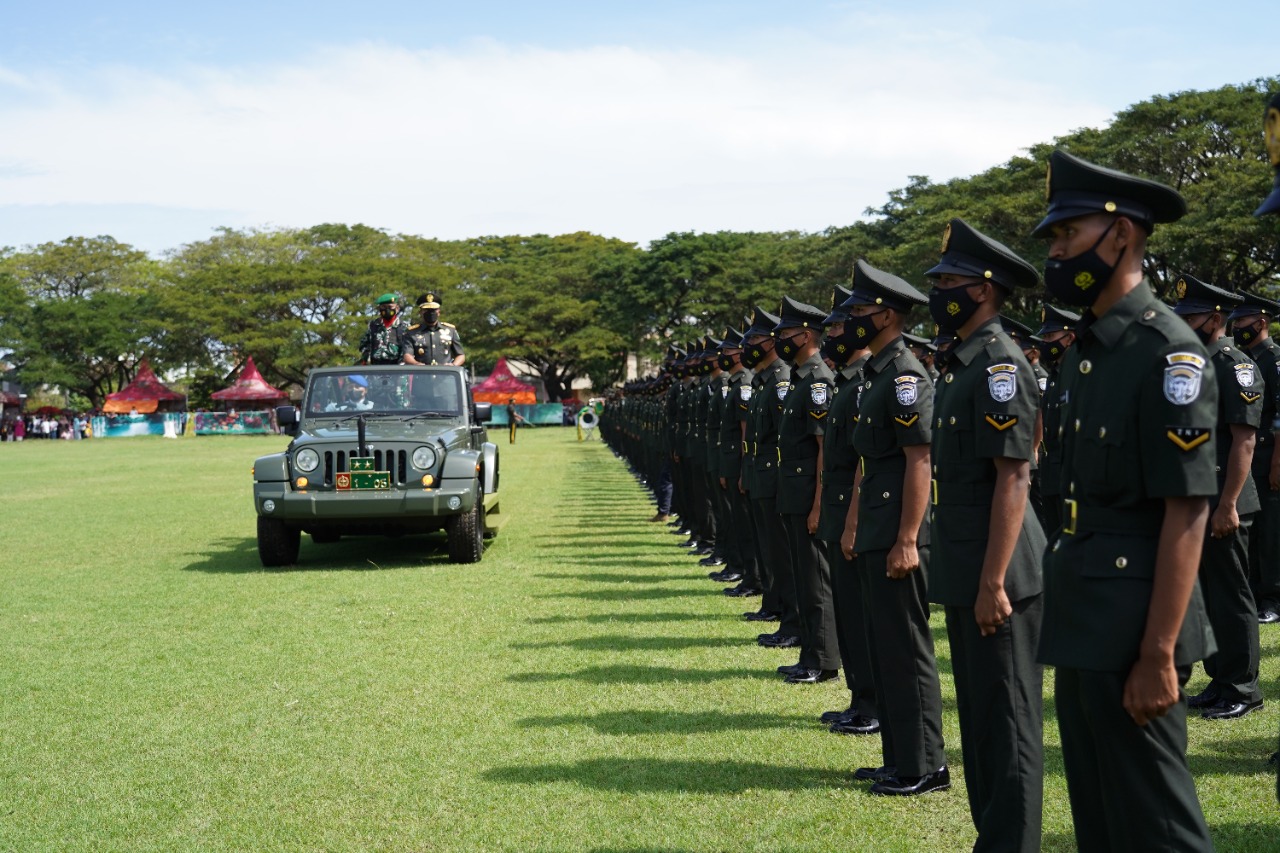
(877, 431)
(1103, 468)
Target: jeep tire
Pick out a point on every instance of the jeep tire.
(466, 532)
(277, 542)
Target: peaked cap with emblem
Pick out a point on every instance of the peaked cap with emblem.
(1078, 188)
(967, 251)
(387, 299)
(1271, 131)
(762, 323)
(1020, 332)
(877, 287)
(732, 339)
(429, 300)
(798, 315)
(917, 341)
(674, 352)
(1253, 305)
(838, 314)
(1199, 297)
(1056, 320)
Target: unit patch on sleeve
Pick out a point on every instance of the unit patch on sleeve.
(783, 388)
(744, 393)
(1188, 438)
(905, 389)
(1001, 421)
(724, 392)
(820, 392)
(1002, 381)
(1244, 374)
(1182, 378)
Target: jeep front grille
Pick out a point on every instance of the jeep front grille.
(395, 461)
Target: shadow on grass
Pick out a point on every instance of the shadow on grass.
(639, 775)
(240, 555)
(597, 533)
(621, 674)
(669, 722)
(624, 618)
(620, 594)
(619, 576)
(621, 642)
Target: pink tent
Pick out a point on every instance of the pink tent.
(250, 386)
(143, 395)
(501, 386)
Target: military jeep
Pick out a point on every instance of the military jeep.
(379, 450)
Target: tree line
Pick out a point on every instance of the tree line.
(83, 312)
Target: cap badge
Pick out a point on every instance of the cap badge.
(1048, 181)
(1109, 207)
(1272, 133)
(946, 236)
(1181, 288)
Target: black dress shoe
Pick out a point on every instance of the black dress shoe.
(1230, 709)
(855, 724)
(743, 591)
(711, 560)
(874, 774)
(691, 543)
(790, 669)
(812, 676)
(761, 616)
(776, 641)
(913, 786)
(728, 576)
(704, 551)
(1209, 696)
(718, 577)
(830, 717)
(1268, 616)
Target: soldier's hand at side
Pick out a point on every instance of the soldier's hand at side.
(846, 542)
(812, 521)
(1151, 689)
(741, 490)
(724, 483)
(1224, 521)
(903, 560)
(991, 609)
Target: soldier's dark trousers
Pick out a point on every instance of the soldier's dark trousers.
(1264, 547)
(1052, 520)
(664, 487)
(906, 672)
(999, 690)
(726, 546)
(781, 594)
(1224, 581)
(1130, 787)
(1036, 500)
(819, 647)
(680, 489)
(703, 520)
(742, 533)
(851, 632)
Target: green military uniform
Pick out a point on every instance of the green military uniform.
(895, 410)
(1139, 422)
(770, 385)
(725, 550)
(381, 341)
(985, 410)
(839, 469)
(1224, 561)
(1052, 320)
(741, 539)
(437, 344)
(800, 429)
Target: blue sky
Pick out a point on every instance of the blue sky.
(157, 123)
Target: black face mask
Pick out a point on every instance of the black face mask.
(753, 355)
(1244, 336)
(787, 348)
(1202, 332)
(1079, 280)
(725, 362)
(838, 348)
(952, 308)
(1051, 351)
(386, 312)
(430, 317)
(860, 331)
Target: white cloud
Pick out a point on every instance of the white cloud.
(487, 138)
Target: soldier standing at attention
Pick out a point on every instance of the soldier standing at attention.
(1249, 325)
(800, 431)
(381, 343)
(737, 401)
(1224, 562)
(431, 341)
(725, 552)
(989, 576)
(895, 414)
(840, 521)
(1057, 334)
(770, 385)
(1124, 619)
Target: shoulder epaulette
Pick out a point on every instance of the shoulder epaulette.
(414, 326)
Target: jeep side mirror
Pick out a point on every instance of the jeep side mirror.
(484, 411)
(286, 415)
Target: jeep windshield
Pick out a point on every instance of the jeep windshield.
(410, 392)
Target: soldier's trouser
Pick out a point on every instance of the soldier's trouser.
(1232, 614)
(703, 512)
(851, 632)
(773, 538)
(726, 545)
(1036, 500)
(680, 489)
(1130, 786)
(742, 532)
(902, 658)
(999, 690)
(1264, 547)
(512, 437)
(663, 487)
(1052, 520)
(819, 648)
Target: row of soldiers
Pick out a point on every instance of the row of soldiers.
(817, 457)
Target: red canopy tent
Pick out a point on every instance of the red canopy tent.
(143, 395)
(249, 387)
(501, 386)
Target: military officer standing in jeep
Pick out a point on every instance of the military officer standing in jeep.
(431, 341)
(381, 342)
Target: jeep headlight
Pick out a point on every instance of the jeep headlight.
(424, 458)
(307, 460)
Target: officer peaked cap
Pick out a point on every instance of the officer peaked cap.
(917, 341)
(1253, 305)
(1199, 297)
(762, 323)
(838, 313)
(428, 300)
(1077, 188)
(732, 339)
(1271, 131)
(968, 252)
(798, 315)
(877, 287)
(1020, 332)
(1056, 320)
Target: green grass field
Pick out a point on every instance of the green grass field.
(585, 687)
